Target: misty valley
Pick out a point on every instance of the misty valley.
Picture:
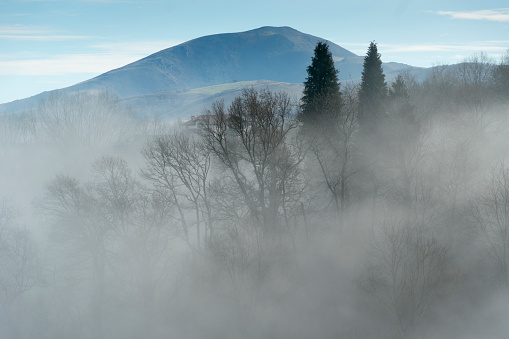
(371, 208)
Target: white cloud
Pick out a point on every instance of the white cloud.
(427, 54)
(119, 1)
(482, 46)
(487, 46)
(35, 33)
(43, 37)
(64, 64)
(108, 57)
(136, 47)
(500, 14)
(22, 29)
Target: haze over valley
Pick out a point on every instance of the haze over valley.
(260, 184)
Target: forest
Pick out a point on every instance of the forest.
(360, 210)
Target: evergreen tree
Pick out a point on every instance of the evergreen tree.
(373, 91)
(398, 89)
(321, 88)
(399, 101)
(401, 123)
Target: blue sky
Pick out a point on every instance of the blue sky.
(50, 44)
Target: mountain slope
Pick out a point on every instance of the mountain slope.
(183, 104)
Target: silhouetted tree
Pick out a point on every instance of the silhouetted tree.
(373, 91)
(372, 107)
(181, 164)
(321, 88)
(251, 142)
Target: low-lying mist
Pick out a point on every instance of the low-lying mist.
(247, 223)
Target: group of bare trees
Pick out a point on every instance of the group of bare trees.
(19, 265)
(408, 272)
(111, 228)
(231, 223)
(71, 120)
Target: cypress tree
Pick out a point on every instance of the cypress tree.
(321, 89)
(373, 91)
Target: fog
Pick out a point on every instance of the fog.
(247, 224)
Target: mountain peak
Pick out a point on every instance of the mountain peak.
(269, 53)
(275, 30)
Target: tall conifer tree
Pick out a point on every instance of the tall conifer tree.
(373, 91)
(321, 88)
(399, 104)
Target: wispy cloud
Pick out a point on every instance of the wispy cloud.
(481, 46)
(136, 47)
(64, 64)
(500, 14)
(474, 46)
(119, 1)
(43, 37)
(35, 33)
(22, 29)
(426, 54)
(107, 56)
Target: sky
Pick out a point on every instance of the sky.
(51, 44)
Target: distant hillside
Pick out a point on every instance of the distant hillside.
(277, 54)
(183, 104)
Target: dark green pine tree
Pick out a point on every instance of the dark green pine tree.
(322, 96)
(373, 91)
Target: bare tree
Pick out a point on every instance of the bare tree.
(407, 272)
(114, 187)
(180, 164)
(164, 180)
(490, 216)
(84, 119)
(17, 128)
(500, 77)
(250, 142)
(331, 142)
(115, 233)
(473, 92)
(73, 214)
(20, 264)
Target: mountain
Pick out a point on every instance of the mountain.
(268, 53)
(275, 54)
